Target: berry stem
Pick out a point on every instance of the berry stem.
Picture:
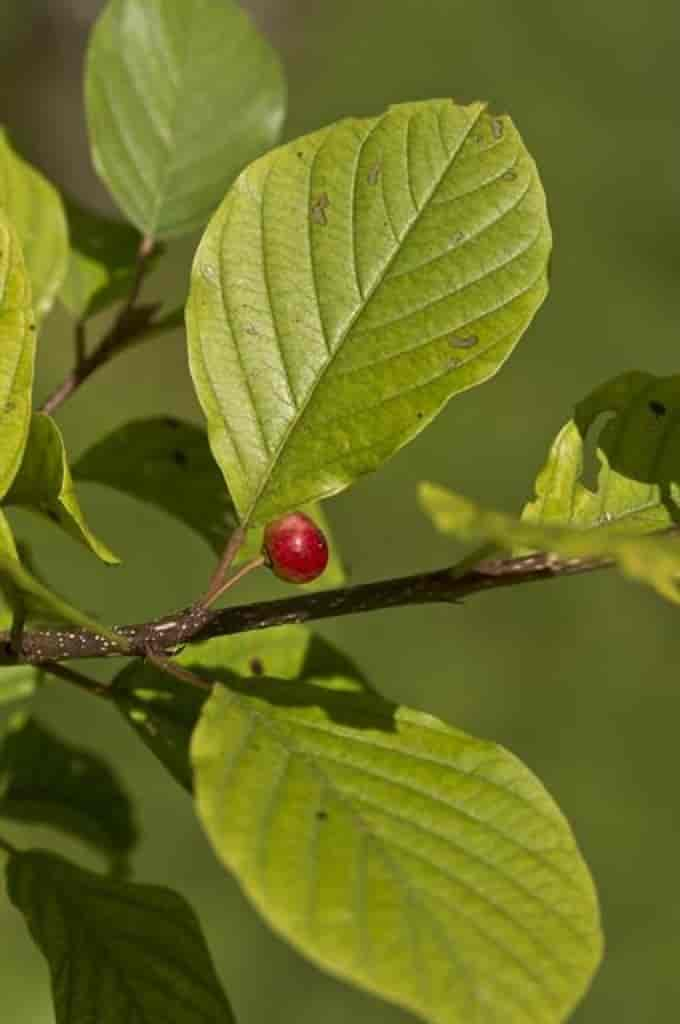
(220, 587)
(217, 579)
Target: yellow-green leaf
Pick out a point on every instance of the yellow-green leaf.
(44, 485)
(423, 864)
(654, 560)
(35, 209)
(163, 712)
(638, 459)
(17, 353)
(353, 281)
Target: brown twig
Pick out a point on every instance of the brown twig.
(80, 342)
(126, 328)
(199, 623)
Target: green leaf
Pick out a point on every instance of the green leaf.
(180, 94)
(102, 264)
(654, 560)
(420, 863)
(168, 463)
(17, 354)
(27, 597)
(164, 711)
(350, 284)
(44, 485)
(116, 951)
(35, 209)
(17, 682)
(636, 492)
(46, 781)
(638, 455)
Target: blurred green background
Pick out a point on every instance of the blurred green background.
(575, 677)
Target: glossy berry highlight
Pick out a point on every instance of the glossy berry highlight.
(295, 548)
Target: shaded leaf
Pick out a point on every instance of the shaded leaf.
(420, 863)
(638, 455)
(17, 354)
(44, 485)
(654, 560)
(350, 284)
(17, 682)
(168, 463)
(164, 711)
(46, 781)
(116, 951)
(180, 94)
(29, 598)
(35, 209)
(102, 262)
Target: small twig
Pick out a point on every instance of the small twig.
(199, 623)
(124, 330)
(80, 342)
(144, 252)
(230, 552)
(171, 669)
(79, 679)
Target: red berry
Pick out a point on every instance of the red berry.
(295, 548)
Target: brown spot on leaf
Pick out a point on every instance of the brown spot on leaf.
(179, 457)
(319, 206)
(658, 408)
(468, 342)
(374, 173)
(256, 667)
(509, 175)
(496, 127)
